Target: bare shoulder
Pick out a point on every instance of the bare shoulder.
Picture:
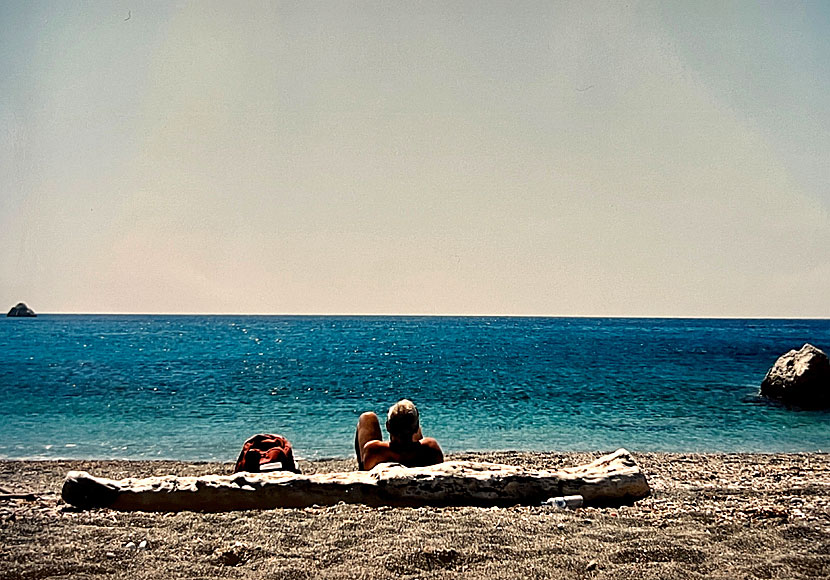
(375, 452)
(433, 449)
(375, 445)
(375, 449)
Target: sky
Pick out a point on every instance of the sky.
(475, 158)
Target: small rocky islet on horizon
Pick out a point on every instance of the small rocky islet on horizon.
(20, 310)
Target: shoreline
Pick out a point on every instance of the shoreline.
(719, 515)
(504, 454)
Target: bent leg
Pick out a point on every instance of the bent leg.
(250, 463)
(368, 429)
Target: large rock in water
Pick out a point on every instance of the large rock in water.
(21, 311)
(800, 377)
(610, 480)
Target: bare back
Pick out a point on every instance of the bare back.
(372, 450)
(415, 454)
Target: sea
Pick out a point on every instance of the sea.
(195, 387)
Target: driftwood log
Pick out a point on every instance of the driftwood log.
(614, 479)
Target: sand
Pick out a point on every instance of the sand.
(709, 516)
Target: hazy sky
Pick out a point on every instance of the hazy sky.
(539, 158)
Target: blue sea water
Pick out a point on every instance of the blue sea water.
(195, 387)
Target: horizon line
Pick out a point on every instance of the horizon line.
(434, 315)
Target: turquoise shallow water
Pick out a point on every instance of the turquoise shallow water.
(194, 387)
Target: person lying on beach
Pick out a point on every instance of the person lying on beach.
(266, 452)
(406, 444)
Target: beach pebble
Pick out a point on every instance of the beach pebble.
(142, 545)
(130, 545)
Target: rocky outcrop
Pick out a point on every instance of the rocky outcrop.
(610, 480)
(21, 311)
(800, 377)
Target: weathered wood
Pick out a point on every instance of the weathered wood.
(610, 480)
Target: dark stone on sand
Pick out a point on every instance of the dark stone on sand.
(21, 311)
(800, 377)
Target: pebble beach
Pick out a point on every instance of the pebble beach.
(708, 516)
